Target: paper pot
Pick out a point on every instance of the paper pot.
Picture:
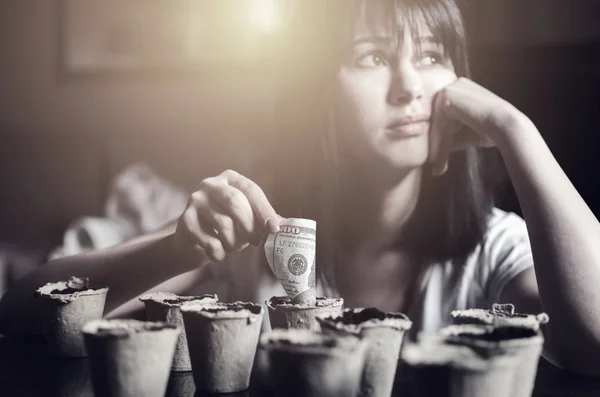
(285, 314)
(523, 342)
(305, 363)
(445, 370)
(222, 341)
(499, 314)
(181, 384)
(65, 307)
(163, 306)
(129, 357)
(384, 333)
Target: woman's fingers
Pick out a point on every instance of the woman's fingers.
(225, 214)
(461, 139)
(465, 101)
(200, 234)
(232, 238)
(481, 110)
(265, 215)
(440, 165)
(232, 203)
(439, 125)
(453, 128)
(442, 135)
(246, 203)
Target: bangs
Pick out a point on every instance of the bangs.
(397, 17)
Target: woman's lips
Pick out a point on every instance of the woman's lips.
(408, 129)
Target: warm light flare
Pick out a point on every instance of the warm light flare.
(265, 14)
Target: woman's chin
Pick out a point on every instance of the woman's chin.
(406, 157)
(385, 156)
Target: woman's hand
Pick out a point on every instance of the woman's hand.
(226, 214)
(467, 114)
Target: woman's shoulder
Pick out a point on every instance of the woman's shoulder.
(501, 220)
(504, 252)
(505, 231)
(505, 240)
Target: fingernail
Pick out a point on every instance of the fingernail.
(272, 225)
(445, 168)
(439, 170)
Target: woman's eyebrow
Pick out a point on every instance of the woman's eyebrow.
(389, 40)
(373, 40)
(429, 40)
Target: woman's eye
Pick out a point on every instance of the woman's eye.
(431, 59)
(372, 60)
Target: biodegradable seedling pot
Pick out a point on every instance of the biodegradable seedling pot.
(523, 342)
(65, 307)
(305, 363)
(499, 314)
(384, 333)
(181, 384)
(164, 306)
(222, 341)
(129, 357)
(446, 370)
(285, 314)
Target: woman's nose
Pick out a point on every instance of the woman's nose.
(406, 85)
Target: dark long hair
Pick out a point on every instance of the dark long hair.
(451, 214)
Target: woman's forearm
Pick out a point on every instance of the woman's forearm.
(565, 240)
(128, 270)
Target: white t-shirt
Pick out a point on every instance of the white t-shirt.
(504, 253)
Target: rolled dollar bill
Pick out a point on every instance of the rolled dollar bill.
(291, 256)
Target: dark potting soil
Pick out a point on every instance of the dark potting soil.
(325, 343)
(68, 291)
(233, 308)
(286, 301)
(502, 333)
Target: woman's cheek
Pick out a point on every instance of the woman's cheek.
(362, 96)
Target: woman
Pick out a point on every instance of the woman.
(381, 144)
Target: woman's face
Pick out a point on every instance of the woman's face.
(385, 94)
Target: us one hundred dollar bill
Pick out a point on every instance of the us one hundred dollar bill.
(291, 256)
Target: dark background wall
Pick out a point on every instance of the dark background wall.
(61, 141)
(544, 57)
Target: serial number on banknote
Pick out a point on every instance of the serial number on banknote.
(295, 244)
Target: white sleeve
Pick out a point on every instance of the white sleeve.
(506, 251)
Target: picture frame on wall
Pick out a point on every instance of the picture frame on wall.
(140, 36)
(115, 36)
